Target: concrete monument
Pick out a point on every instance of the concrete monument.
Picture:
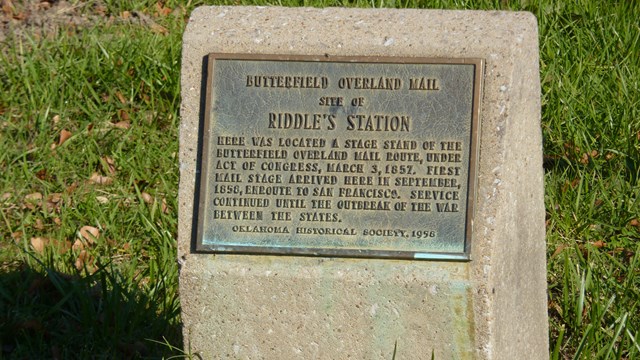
(361, 183)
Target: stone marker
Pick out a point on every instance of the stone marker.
(361, 183)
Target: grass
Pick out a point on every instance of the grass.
(111, 91)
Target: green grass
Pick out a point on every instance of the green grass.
(118, 298)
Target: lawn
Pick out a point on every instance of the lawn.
(89, 114)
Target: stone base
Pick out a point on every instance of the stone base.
(286, 307)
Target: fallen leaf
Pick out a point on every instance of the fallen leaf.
(44, 5)
(41, 174)
(17, 236)
(20, 16)
(77, 245)
(90, 233)
(64, 136)
(101, 9)
(163, 11)
(125, 15)
(54, 201)
(102, 199)
(38, 244)
(122, 125)
(599, 244)
(123, 115)
(165, 208)
(634, 222)
(594, 153)
(159, 29)
(585, 159)
(147, 198)
(100, 180)
(111, 164)
(121, 97)
(54, 198)
(39, 225)
(56, 119)
(558, 250)
(57, 221)
(71, 188)
(36, 196)
(7, 7)
(5, 196)
(83, 260)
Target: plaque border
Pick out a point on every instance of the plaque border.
(479, 65)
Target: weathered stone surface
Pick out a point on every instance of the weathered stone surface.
(493, 307)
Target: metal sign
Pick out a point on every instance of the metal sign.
(339, 156)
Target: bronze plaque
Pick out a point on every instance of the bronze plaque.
(339, 156)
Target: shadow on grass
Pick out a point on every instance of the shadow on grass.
(45, 314)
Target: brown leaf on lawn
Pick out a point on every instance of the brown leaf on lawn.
(121, 97)
(90, 233)
(64, 136)
(39, 243)
(558, 250)
(111, 164)
(123, 115)
(122, 125)
(7, 7)
(78, 245)
(54, 201)
(32, 201)
(162, 11)
(101, 10)
(5, 196)
(585, 159)
(159, 29)
(44, 5)
(17, 236)
(102, 199)
(41, 174)
(84, 260)
(39, 225)
(20, 16)
(634, 222)
(100, 180)
(36, 196)
(147, 198)
(165, 208)
(71, 188)
(599, 244)
(54, 198)
(125, 15)
(55, 120)
(57, 221)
